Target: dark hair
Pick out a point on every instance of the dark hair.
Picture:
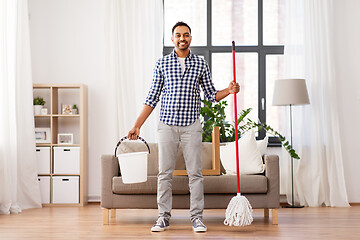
(180, 24)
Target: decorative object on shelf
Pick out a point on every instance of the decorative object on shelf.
(38, 105)
(66, 109)
(42, 135)
(65, 138)
(75, 109)
(44, 111)
(288, 92)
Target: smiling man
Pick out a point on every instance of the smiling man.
(177, 80)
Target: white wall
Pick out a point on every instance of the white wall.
(68, 46)
(347, 51)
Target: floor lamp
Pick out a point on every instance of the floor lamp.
(289, 92)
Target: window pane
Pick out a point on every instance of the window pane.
(274, 65)
(191, 12)
(274, 21)
(234, 20)
(246, 76)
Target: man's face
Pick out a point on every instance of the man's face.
(181, 38)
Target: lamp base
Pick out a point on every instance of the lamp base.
(292, 206)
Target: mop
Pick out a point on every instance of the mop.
(239, 210)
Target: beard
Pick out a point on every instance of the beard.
(183, 45)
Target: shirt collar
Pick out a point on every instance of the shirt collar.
(173, 54)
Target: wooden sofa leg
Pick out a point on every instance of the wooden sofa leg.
(274, 213)
(113, 214)
(105, 216)
(266, 213)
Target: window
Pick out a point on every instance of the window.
(257, 29)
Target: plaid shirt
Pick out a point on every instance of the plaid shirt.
(180, 100)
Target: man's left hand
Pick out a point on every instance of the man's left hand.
(234, 87)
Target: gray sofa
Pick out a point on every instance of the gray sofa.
(262, 190)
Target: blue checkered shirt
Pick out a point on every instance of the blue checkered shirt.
(180, 93)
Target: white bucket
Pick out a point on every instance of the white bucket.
(133, 167)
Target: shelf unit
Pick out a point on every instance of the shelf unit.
(55, 95)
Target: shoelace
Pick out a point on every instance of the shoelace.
(199, 223)
(159, 221)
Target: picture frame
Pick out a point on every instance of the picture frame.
(65, 138)
(42, 135)
(66, 109)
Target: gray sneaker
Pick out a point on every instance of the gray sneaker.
(161, 225)
(199, 226)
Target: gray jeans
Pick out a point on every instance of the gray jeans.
(190, 138)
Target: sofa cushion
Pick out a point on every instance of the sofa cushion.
(228, 184)
(250, 155)
(180, 186)
(212, 184)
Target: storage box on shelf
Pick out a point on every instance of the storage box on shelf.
(66, 160)
(43, 160)
(63, 165)
(65, 189)
(44, 182)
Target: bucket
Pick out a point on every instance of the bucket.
(133, 166)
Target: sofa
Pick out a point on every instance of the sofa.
(262, 190)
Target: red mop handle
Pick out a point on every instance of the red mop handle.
(236, 124)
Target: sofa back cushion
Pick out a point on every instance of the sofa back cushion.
(153, 165)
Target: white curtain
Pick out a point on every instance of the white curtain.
(19, 188)
(135, 41)
(319, 175)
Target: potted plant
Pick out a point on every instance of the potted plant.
(75, 109)
(38, 105)
(214, 115)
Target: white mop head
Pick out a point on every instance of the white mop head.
(238, 212)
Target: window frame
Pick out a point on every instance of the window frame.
(262, 51)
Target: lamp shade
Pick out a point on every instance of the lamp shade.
(290, 92)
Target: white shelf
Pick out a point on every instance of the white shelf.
(55, 95)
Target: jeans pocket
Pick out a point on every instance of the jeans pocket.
(161, 126)
(197, 126)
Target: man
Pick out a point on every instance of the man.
(178, 77)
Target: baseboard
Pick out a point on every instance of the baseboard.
(354, 204)
(94, 198)
(283, 201)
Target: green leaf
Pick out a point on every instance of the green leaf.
(215, 116)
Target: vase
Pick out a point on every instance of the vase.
(37, 109)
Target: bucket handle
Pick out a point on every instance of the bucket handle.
(124, 138)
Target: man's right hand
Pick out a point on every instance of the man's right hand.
(134, 133)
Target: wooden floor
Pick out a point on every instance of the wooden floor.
(86, 223)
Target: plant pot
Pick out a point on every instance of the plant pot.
(37, 109)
